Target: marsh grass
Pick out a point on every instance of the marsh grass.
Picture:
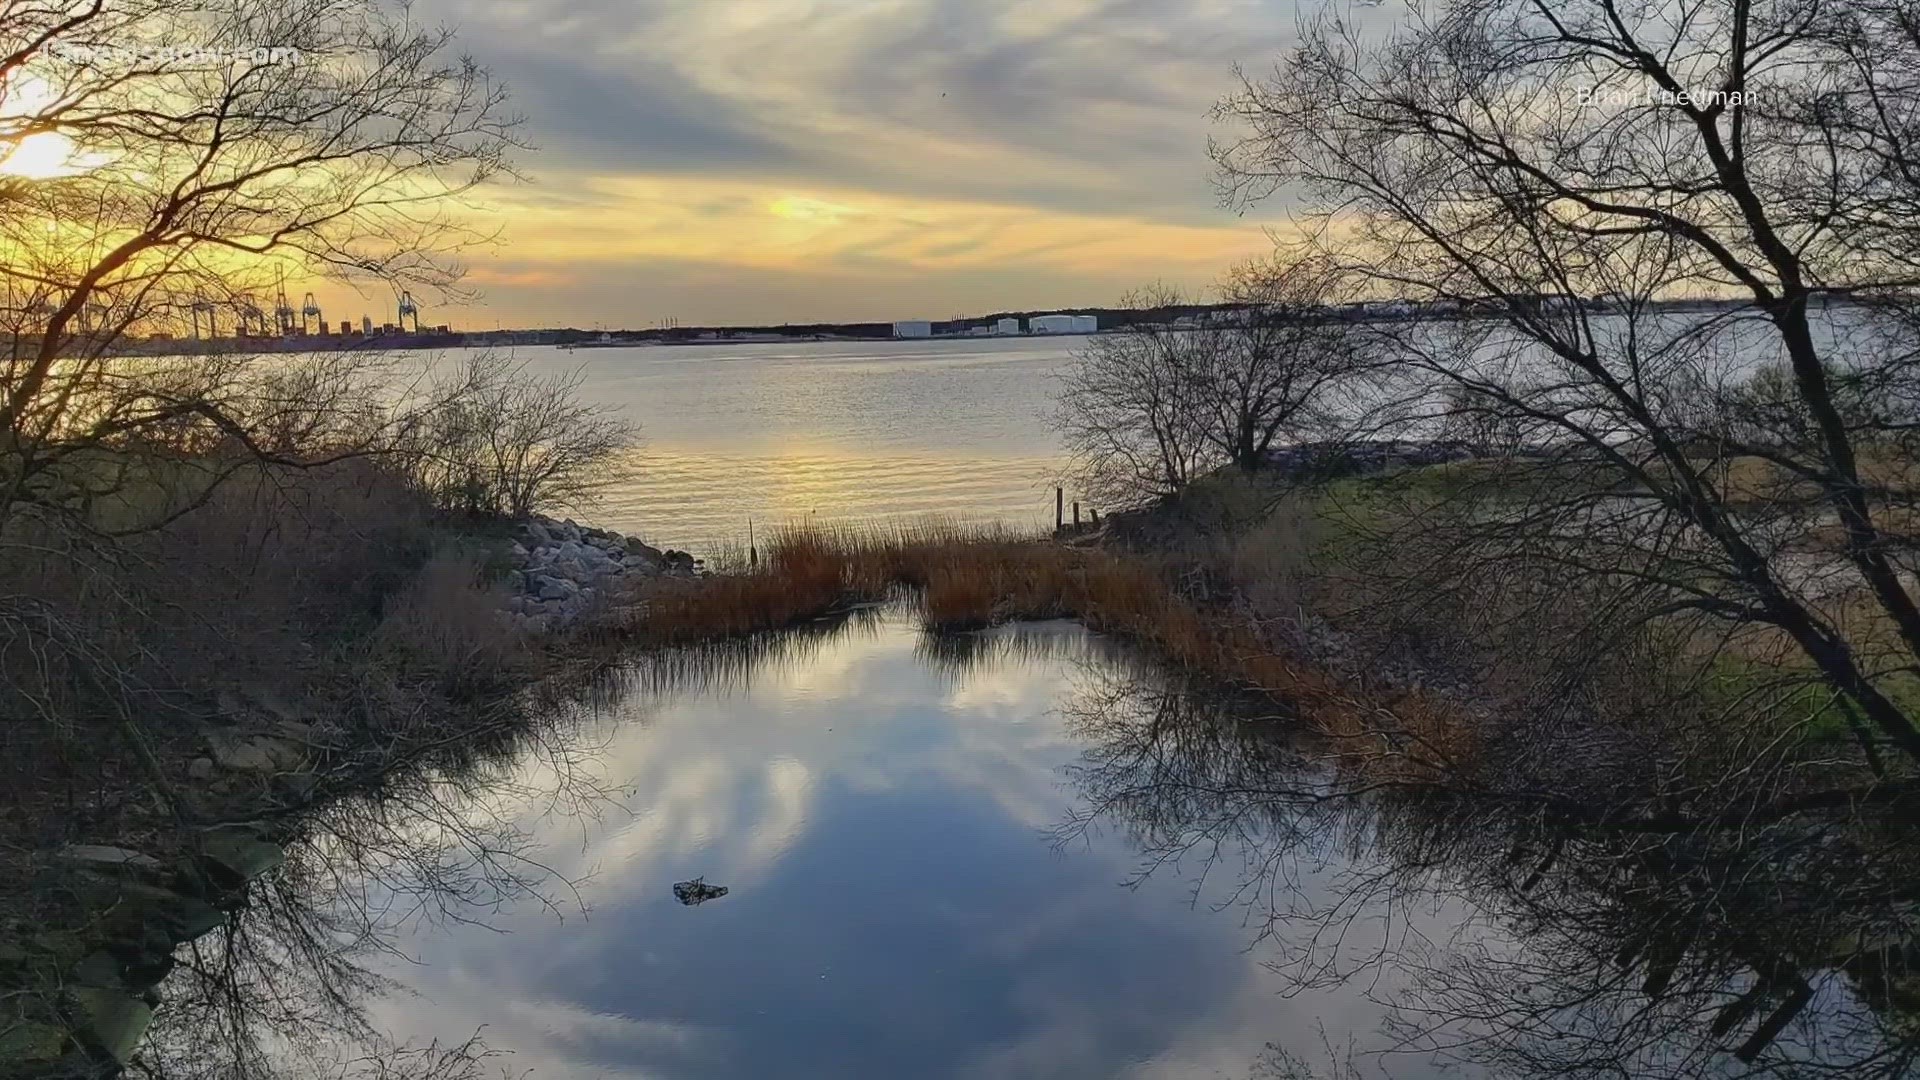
(959, 578)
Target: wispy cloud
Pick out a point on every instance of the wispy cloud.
(774, 225)
(809, 147)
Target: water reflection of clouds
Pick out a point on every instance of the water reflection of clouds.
(897, 908)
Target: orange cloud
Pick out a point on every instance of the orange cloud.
(781, 226)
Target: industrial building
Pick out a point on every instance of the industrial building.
(1063, 324)
(1007, 326)
(913, 328)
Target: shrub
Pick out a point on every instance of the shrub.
(507, 442)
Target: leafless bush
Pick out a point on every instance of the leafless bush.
(509, 442)
(1158, 403)
(447, 620)
(276, 583)
(1127, 413)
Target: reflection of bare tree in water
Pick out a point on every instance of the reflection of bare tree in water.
(1751, 924)
(281, 990)
(1712, 920)
(436, 834)
(957, 654)
(1178, 773)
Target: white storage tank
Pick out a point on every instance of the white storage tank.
(1086, 324)
(1051, 324)
(913, 328)
(1007, 326)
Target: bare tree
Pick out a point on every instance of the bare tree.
(1284, 356)
(1576, 171)
(509, 442)
(1162, 401)
(167, 161)
(1127, 407)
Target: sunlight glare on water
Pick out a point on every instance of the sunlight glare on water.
(833, 431)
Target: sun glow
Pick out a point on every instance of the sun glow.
(44, 156)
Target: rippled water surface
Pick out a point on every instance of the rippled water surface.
(783, 432)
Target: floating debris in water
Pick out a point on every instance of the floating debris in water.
(697, 891)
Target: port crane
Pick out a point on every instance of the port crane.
(283, 313)
(196, 308)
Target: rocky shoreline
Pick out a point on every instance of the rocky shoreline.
(563, 570)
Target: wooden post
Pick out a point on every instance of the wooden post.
(1059, 508)
(1095, 514)
(1076, 513)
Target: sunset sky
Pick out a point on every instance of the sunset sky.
(734, 161)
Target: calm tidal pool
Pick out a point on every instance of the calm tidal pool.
(908, 894)
(1015, 853)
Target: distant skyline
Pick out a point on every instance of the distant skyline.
(756, 161)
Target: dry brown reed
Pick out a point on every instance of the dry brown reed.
(957, 578)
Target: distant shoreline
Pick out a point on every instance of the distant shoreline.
(513, 339)
(958, 329)
(654, 343)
